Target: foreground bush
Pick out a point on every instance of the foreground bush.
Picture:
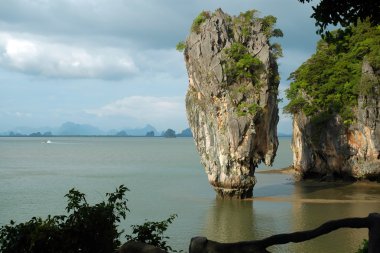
(151, 232)
(363, 247)
(86, 228)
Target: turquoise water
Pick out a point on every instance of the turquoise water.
(165, 177)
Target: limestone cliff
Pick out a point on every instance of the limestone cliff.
(336, 122)
(231, 101)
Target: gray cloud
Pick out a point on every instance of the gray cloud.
(137, 25)
(148, 23)
(38, 57)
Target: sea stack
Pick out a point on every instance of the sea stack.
(335, 103)
(231, 101)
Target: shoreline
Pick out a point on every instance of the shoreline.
(312, 201)
(319, 179)
(287, 170)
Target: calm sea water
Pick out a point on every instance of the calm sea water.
(165, 177)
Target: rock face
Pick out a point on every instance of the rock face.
(341, 151)
(231, 100)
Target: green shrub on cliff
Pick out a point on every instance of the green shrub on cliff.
(276, 50)
(181, 46)
(267, 27)
(243, 22)
(239, 64)
(329, 82)
(202, 17)
(245, 108)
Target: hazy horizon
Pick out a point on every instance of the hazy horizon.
(57, 129)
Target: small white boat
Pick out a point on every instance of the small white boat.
(48, 141)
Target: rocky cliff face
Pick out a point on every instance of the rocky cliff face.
(335, 150)
(231, 100)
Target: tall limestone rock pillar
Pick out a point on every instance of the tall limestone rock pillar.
(231, 100)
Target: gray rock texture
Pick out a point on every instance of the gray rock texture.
(340, 151)
(234, 123)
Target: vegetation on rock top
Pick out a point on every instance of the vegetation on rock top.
(240, 65)
(202, 17)
(329, 82)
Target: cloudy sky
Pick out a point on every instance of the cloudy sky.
(113, 63)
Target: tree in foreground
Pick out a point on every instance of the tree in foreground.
(344, 12)
(87, 228)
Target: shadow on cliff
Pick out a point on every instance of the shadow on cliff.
(325, 154)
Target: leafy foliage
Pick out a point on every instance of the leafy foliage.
(202, 17)
(245, 108)
(239, 64)
(151, 232)
(329, 82)
(363, 247)
(86, 228)
(267, 27)
(244, 23)
(276, 50)
(180, 46)
(344, 12)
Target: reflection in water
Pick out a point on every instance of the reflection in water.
(361, 200)
(229, 221)
(239, 220)
(308, 206)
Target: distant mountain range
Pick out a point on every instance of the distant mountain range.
(75, 129)
(135, 131)
(70, 128)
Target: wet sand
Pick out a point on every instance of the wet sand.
(314, 201)
(287, 170)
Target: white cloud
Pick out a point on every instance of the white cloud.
(144, 108)
(41, 57)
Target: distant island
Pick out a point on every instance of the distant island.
(75, 129)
